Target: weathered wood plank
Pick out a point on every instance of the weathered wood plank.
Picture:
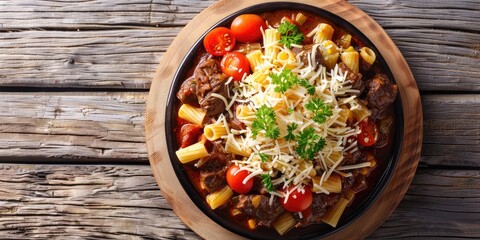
(68, 126)
(24, 14)
(101, 59)
(123, 202)
(109, 127)
(119, 45)
(438, 204)
(451, 130)
(107, 202)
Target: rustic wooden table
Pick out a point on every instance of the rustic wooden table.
(74, 76)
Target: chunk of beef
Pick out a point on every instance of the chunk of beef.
(214, 180)
(305, 52)
(355, 78)
(353, 157)
(258, 207)
(384, 131)
(360, 183)
(188, 92)
(347, 183)
(320, 203)
(234, 123)
(216, 159)
(381, 93)
(210, 79)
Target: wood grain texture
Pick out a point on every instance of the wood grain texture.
(119, 43)
(123, 202)
(109, 127)
(39, 127)
(84, 202)
(96, 59)
(452, 130)
(410, 147)
(98, 14)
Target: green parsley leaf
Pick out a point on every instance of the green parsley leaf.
(310, 88)
(290, 111)
(267, 182)
(284, 80)
(263, 157)
(309, 143)
(320, 110)
(290, 128)
(265, 120)
(289, 34)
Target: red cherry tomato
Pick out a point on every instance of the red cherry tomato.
(219, 41)
(368, 132)
(236, 65)
(298, 201)
(235, 180)
(247, 27)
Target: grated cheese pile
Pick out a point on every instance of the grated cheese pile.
(285, 167)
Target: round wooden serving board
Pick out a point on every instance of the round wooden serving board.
(155, 119)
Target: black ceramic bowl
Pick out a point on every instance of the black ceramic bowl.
(364, 200)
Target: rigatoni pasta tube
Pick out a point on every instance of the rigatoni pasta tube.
(368, 55)
(231, 147)
(192, 152)
(286, 59)
(300, 18)
(284, 223)
(334, 213)
(192, 114)
(270, 42)
(259, 77)
(330, 54)
(361, 111)
(220, 197)
(325, 32)
(332, 184)
(254, 59)
(214, 131)
(243, 112)
(351, 60)
(345, 41)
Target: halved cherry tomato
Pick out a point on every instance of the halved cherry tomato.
(368, 132)
(236, 65)
(247, 27)
(297, 200)
(235, 180)
(219, 41)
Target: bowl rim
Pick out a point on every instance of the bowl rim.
(179, 77)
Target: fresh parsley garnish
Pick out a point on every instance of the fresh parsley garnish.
(310, 88)
(267, 182)
(263, 157)
(289, 34)
(290, 111)
(290, 135)
(284, 80)
(287, 79)
(309, 143)
(265, 120)
(320, 110)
